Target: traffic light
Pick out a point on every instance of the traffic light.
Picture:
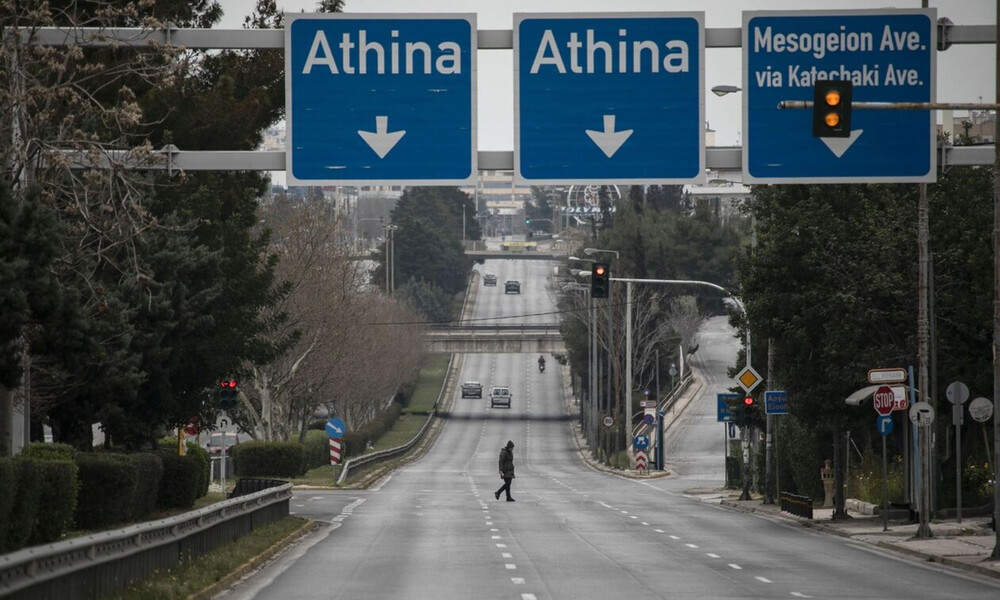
(746, 411)
(832, 108)
(527, 221)
(229, 394)
(600, 281)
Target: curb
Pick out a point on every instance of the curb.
(808, 524)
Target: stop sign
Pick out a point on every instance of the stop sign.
(883, 400)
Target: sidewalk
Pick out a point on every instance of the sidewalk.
(966, 545)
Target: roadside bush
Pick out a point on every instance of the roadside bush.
(200, 456)
(317, 449)
(269, 459)
(8, 483)
(25, 508)
(45, 451)
(149, 470)
(356, 442)
(57, 499)
(182, 480)
(108, 485)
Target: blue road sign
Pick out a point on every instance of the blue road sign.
(884, 424)
(776, 402)
(724, 403)
(640, 442)
(609, 98)
(335, 428)
(380, 98)
(889, 55)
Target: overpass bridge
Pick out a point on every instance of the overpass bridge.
(499, 339)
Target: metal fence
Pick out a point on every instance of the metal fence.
(102, 563)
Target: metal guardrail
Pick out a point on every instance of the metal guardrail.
(666, 404)
(796, 505)
(96, 565)
(373, 457)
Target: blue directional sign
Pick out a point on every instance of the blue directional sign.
(723, 403)
(884, 424)
(380, 99)
(609, 98)
(335, 428)
(640, 442)
(889, 55)
(776, 402)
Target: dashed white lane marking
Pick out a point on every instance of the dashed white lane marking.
(506, 555)
(674, 537)
(517, 580)
(489, 522)
(510, 566)
(501, 545)
(659, 531)
(494, 529)
(528, 597)
(763, 579)
(800, 595)
(691, 545)
(624, 512)
(645, 523)
(711, 555)
(495, 537)
(633, 517)
(736, 566)
(348, 510)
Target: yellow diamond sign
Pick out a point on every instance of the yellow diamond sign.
(748, 379)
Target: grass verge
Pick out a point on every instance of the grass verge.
(429, 383)
(201, 573)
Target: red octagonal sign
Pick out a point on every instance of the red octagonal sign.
(883, 400)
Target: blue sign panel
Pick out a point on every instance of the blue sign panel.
(641, 442)
(889, 55)
(776, 402)
(609, 98)
(335, 428)
(380, 99)
(884, 424)
(724, 402)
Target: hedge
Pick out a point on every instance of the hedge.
(168, 445)
(25, 507)
(356, 442)
(8, 483)
(149, 471)
(269, 459)
(57, 502)
(182, 480)
(44, 451)
(317, 449)
(108, 484)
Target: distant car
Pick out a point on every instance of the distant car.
(500, 396)
(472, 389)
(512, 287)
(218, 439)
(490, 279)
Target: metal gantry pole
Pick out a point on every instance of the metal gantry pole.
(593, 376)
(996, 313)
(628, 362)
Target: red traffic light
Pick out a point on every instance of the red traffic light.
(599, 270)
(748, 401)
(226, 384)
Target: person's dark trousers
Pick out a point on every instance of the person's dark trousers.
(504, 488)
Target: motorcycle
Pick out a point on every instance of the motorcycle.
(541, 367)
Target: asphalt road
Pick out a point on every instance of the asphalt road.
(434, 529)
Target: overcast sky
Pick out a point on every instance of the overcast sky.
(965, 73)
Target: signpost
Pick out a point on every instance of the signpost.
(957, 393)
(723, 407)
(776, 402)
(380, 99)
(889, 55)
(609, 98)
(335, 429)
(748, 378)
(883, 400)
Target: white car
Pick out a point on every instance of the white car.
(500, 396)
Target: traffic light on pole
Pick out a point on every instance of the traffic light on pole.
(747, 410)
(832, 108)
(229, 394)
(527, 221)
(600, 281)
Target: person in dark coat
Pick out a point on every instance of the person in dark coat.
(506, 470)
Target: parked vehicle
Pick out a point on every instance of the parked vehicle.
(472, 389)
(500, 396)
(512, 287)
